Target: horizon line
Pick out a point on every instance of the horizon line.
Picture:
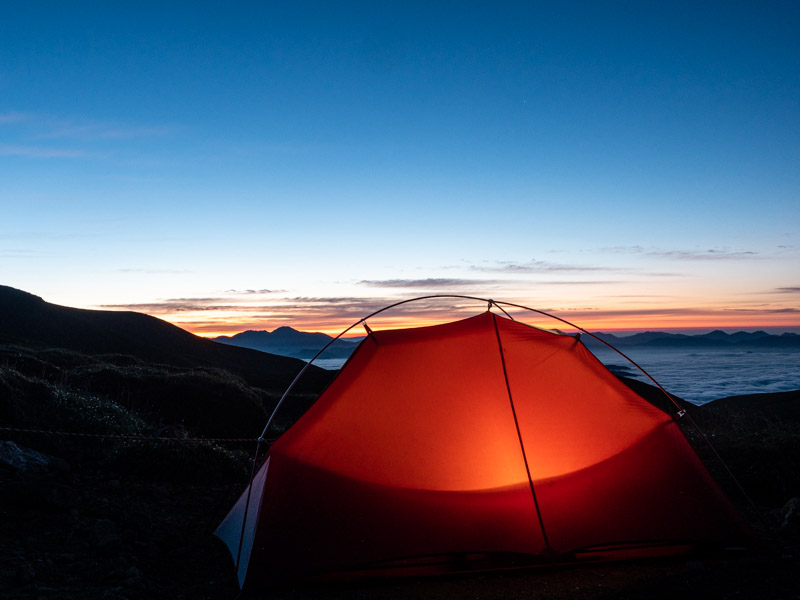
(358, 331)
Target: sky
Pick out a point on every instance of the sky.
(248, 165)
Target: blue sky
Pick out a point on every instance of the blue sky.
(623, 163)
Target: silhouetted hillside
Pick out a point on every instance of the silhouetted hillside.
(29, 321)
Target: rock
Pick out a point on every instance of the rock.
(25, 574)
(133, 577)
(790, 515)
(695, 565)
(62, 497)
(22, 459)
(105, 538)
(25, 494)
(161, 492)
(74, 516)
(60, 466)
(103, 527)
(108, 545)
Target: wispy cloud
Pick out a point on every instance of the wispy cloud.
(337, 309)
(703, 254)
(764, 310)
(13, 117)
(535, 266)
(430, 283)
(239, 301)
(42, 152)
(40, 136)
(20, 253)
(254, 292)
(102, 131)
(582, 282)
(787, 290)
(46, 235)
(155, 271)
(711, 254)
(179, 305)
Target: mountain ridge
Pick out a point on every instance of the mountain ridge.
(713, 339)
(287, 341)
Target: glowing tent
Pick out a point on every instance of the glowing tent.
(458, 445)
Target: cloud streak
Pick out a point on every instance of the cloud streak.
(42, 152)
(254, 292)
(41, 137)
(103, 131)
(705, 254)
(430, 283)
(775, 311)
(536, 266)
(683, 255)
(156, 271)
(13, 117)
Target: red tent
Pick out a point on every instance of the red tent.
(462, 444)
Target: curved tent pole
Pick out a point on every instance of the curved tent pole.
(499, 304)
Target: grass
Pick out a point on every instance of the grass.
(63, 391)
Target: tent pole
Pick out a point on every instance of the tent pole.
(680, 410)
(519, 435)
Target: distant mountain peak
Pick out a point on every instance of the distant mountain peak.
(288, 341)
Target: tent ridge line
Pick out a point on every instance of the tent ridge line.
(519, 434)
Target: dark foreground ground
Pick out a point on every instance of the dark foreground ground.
(84, 535)
(67, 531)
(112, 519)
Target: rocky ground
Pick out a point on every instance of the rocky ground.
(73, 532)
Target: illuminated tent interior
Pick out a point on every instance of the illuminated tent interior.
(467, 445)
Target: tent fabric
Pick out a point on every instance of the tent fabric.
(480, 437)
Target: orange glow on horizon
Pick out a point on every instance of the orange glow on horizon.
(615, 322)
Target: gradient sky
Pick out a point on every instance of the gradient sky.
(232, 166)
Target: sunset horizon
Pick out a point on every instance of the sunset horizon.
(622, 167)
(206, 318)
(617, 183)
